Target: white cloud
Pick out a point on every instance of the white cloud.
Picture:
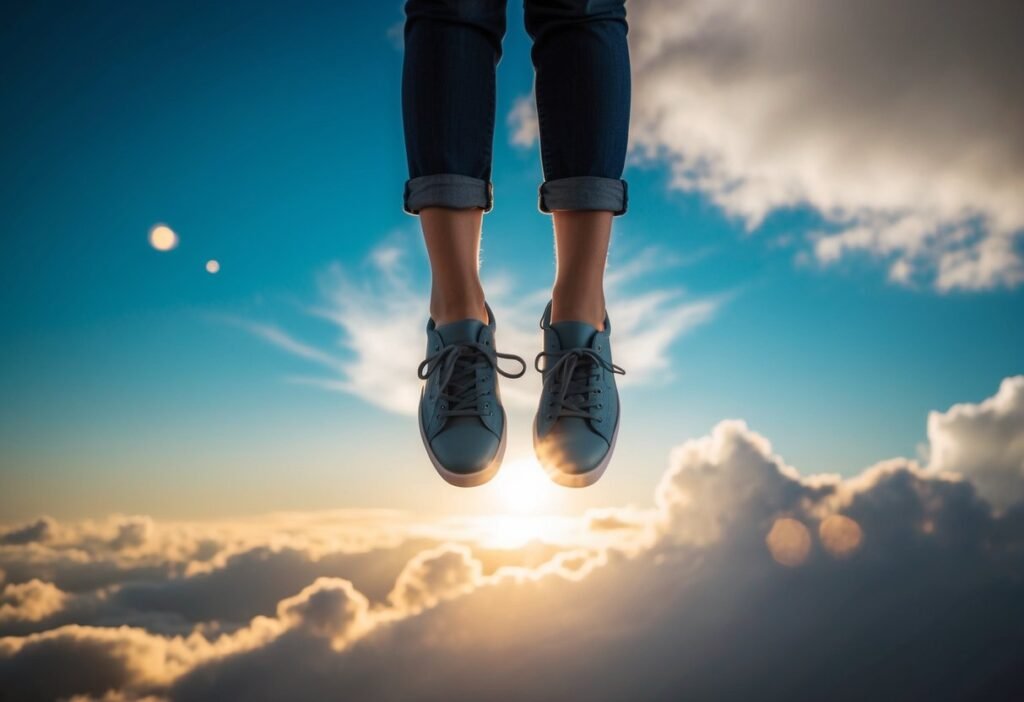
(900, 124)
(29, 601)
(439, 573)
(329, 608)
(984, 442)
(730, 475)
(524, 129)
(379, 313)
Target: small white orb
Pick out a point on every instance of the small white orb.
(162, 238)
(213, 266)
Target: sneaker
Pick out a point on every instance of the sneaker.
(462, 421)
(577, 422)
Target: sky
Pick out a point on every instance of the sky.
(206, 477)
(271, 141)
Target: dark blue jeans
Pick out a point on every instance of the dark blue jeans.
(582, 86)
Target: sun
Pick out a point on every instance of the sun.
(522, 487)
(526, 506)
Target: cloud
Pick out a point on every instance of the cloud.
(252, 582)
(39, 530)
(379, 313)
(433, 575)
(898, 124)
(756, 582)
(524, 129)
(727, 478)
(29, 601)
(617, 519)
(132, 533)
(396, 35)
(95, 660)
(984, 442)
(330, 608)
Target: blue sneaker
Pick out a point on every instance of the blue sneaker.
(577, 422)
(461, 418)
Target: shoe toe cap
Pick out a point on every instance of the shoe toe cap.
(465, 448)
(572, 447)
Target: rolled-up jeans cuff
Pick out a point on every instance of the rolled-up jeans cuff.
(447, 190)
(584, 193)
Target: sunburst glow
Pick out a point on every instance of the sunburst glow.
(523, 488)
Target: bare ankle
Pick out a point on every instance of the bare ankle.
(447, 308)
(574, 304)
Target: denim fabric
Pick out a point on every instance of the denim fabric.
(582, 87)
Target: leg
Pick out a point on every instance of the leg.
(448, 93)
(583, 93)
(582, 86)
(451, 50)
(453, 245)
(581, 248)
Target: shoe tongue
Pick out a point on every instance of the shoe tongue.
(461, 332)
(573, 334)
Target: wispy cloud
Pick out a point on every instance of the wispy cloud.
(378, 312)
(278, 337)
(524, 128)
(396, 35)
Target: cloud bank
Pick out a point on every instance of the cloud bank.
(743, 579)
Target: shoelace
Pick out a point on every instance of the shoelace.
(458, 365)
(572, 379)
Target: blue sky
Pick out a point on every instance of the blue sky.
(212, 487)
(272, 142)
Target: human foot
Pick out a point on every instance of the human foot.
(462, 421)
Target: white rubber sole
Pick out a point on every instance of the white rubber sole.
(576, 480)
(466, 480)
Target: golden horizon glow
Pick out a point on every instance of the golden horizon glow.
(163, 238)
(525, 504)
(514, 531)
(523, 488)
